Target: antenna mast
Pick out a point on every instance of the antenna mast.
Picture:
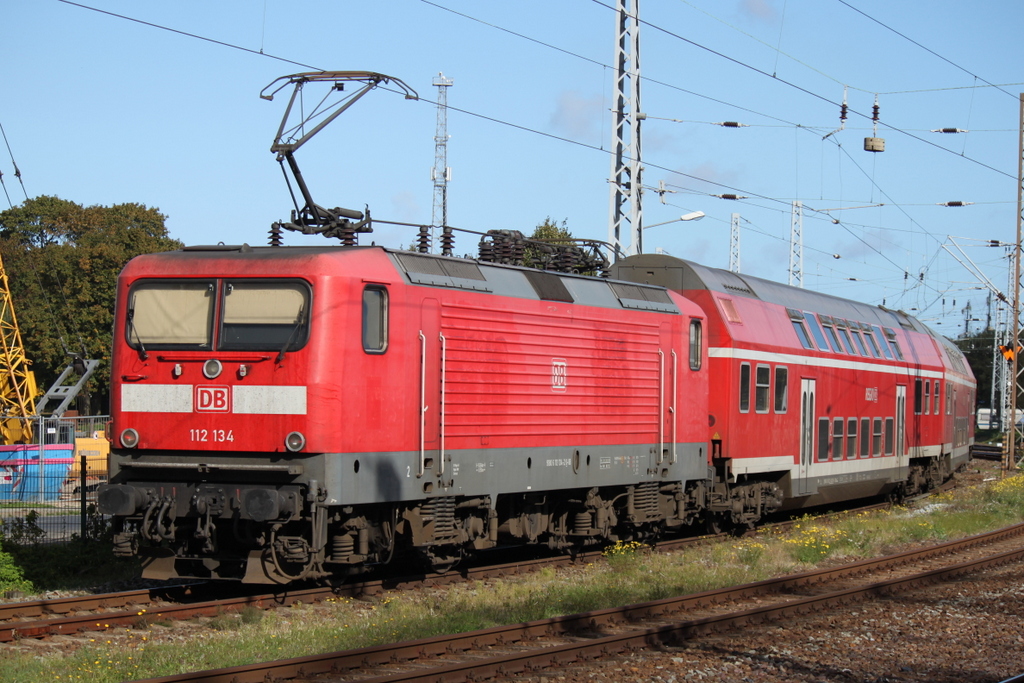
(625, 182)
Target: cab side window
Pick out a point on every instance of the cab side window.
(375, 319)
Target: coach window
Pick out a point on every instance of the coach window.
(891, 336)
(927, 397)
(872, 344)
(889, 436)
(935, 397)
(917, 396)
(375, 319)
(876, 438)
(830, 332)
(855, 331)
(845, 335)
(781, 389)
(745, 388)
(762, 388)
(823, 438)
(851, 438)
(865, 437)
(695, 344)
(819, 338)
(797, 319)
(949, 399)
(264, 315)
(881, 341)
(837, 438)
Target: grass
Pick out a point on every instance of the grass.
(630, 573)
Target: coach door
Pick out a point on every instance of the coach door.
(807, 421)
(901, 419)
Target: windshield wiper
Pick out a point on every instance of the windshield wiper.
(299, 322)
(132, 331)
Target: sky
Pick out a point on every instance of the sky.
(157, 103)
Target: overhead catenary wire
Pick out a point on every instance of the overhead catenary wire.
(565, 139)
(17, 171)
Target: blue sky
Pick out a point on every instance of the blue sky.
(103, 110)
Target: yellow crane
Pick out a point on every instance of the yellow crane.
(18, 389)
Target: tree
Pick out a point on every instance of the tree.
(548, 231)
(63, 260)
(977, 348)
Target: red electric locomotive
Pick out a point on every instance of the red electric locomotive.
(829, 398)
(287, 412)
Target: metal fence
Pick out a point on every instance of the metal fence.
(47, 486)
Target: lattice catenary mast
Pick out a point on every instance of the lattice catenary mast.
(441, 173)
(625, 210)
(796, 246)
(734, 244)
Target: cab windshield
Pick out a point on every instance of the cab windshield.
(228, 315)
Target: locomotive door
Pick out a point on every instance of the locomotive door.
(807, 421)
(430, 415)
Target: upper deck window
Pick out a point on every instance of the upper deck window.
(171, 314)
(845, 335)
(268, 315)
(881, 341)
(797, 319)
(891, 336)
(819, 337)
(826, 322)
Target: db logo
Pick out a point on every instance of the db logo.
(213, 399)
(558, 374)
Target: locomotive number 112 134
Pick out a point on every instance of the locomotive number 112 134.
(215, 435)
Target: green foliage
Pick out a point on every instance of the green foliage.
(548, 231)
(63, 260)
(11, 576)
(22, 530)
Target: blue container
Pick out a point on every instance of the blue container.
(23, 480)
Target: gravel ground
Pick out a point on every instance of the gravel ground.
(967, 631)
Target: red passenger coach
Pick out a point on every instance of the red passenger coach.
(287, 412)
(830, 398)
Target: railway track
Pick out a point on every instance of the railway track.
(130, 609)
(501, 652)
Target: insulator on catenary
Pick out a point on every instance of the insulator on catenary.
(949, 130)
(732, 124)
(730, 196)
(955, 203)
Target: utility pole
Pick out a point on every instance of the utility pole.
(796, 246)
(441, 173)
(625, 210)
(734, 244)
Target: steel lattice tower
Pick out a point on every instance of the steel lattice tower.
(625, 181)
(796, 246)
(441, 173)
(734, 244)
(1012, 456)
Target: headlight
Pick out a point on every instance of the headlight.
(129, 438)
(294, 442)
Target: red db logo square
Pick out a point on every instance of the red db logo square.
(213, 399)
